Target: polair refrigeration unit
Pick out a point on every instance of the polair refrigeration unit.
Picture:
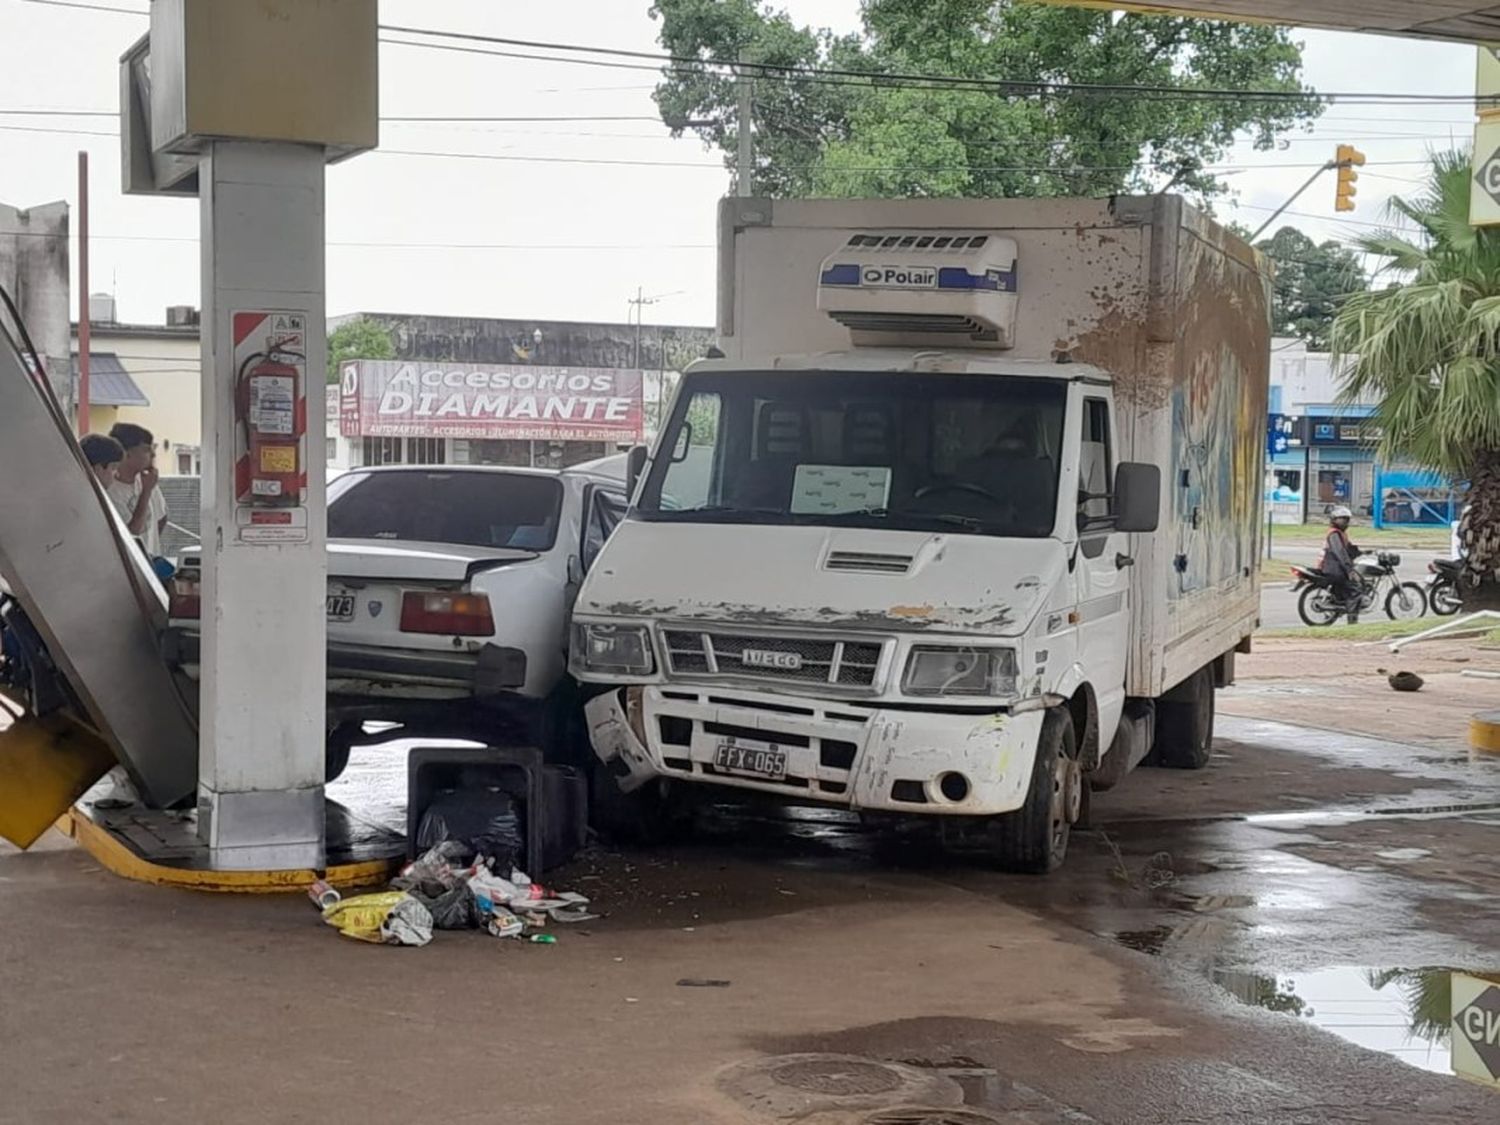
(904, 288)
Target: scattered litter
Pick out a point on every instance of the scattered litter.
(1405, 681)
(323, 894)
(453, 885)
(503, 924)
(385, 918)
(698, 982)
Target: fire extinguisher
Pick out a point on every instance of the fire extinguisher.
(267, 391)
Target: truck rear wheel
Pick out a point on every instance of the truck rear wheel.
(1185, 724)
(1033, 840)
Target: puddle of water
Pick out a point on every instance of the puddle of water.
(1403, 1013)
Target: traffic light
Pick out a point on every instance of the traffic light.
(1346, 160)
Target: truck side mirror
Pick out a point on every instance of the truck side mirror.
(635, 461)
(1137, 496)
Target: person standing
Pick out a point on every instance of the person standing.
(135, 490)
(104, 455)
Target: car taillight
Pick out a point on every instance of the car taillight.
(1432, 568)
(460, 615)
(185, 598)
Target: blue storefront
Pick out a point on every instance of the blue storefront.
(1325, 458)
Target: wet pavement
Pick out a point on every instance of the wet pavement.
(1264, 941)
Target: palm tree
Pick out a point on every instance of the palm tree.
(1428, 350)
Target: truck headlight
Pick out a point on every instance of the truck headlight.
(619, 650)
(934, 670)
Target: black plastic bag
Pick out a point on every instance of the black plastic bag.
(484, 818)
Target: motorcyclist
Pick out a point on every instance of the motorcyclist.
(1338, 561)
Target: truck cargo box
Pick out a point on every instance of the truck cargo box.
(1172, 306)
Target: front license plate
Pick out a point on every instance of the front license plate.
(767, 761)
(341, 607)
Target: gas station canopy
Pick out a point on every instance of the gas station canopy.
(1467, 21)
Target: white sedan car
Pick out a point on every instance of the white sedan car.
(450, 589)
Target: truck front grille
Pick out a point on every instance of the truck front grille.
(785, 659)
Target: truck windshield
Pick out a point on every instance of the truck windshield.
(959, 452)
(474, 508)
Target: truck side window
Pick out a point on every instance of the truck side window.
(606, 510)
(1095, 508)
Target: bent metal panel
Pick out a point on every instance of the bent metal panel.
(415, 398)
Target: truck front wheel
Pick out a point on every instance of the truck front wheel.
(1033, 840)
(648, 816)
(1185, 724)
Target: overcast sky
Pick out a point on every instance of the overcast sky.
(491, 227)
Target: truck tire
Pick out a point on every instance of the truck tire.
(646, 817)
(1185, 724)
(1033, 840)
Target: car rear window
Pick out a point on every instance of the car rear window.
(476, 509)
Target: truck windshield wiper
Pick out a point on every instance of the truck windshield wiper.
(908, 514)
(761, 514)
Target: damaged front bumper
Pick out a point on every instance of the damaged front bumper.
(917, 762)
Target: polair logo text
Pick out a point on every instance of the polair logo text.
(899, 277)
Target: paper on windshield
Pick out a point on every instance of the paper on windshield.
(829, 489)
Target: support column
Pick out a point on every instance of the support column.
(263, 672)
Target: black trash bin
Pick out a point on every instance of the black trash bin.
(473, 787)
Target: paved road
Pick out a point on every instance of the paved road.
(1279, 607)
(802, 967)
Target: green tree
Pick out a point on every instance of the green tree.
(827, 136)
(1427, 349)
(360, 338)
(1312, 281)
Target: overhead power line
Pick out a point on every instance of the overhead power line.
(1059, 167)
(696, 65)
(657, 61)
(89, 7)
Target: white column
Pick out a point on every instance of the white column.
(262, 702)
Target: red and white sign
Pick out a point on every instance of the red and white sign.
(400, 398)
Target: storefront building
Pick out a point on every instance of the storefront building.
(491, 391)
(432, 413)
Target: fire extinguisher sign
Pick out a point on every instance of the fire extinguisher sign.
(270, 412)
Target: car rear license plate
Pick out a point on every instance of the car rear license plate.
(341, 607)
(751, 759)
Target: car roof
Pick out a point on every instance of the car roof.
(611, 469)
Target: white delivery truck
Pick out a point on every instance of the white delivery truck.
(963, 522)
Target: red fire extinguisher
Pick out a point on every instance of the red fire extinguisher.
(266, 395)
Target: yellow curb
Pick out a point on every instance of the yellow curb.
(117, 858)
(1484, 732)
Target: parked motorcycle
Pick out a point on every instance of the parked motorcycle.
(1442, 586)
(1317, 604)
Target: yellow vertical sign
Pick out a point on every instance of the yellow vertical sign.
(1484, 196)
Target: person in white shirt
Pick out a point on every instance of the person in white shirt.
(134, 489)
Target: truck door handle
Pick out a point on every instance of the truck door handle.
(1123, 560)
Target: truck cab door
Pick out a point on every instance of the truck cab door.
(1102, 567)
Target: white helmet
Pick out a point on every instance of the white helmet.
(1341, 513)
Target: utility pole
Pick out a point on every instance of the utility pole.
(744, 173)
(639, 303)
(83, 293)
